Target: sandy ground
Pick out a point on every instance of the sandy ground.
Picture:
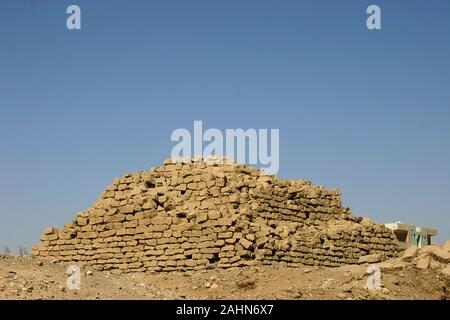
(29, 278)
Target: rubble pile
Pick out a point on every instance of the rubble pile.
(199, 214)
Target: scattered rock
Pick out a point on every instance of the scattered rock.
(11, 274)
(422, 262)
(392, 265)
(410, 254)
(371, 258)
(446, 271)
(341, 295)
(294, 293)
(328, 284)
(347, 287)
(297, 295)
(246, 284)
(437, 253)
(436, 264)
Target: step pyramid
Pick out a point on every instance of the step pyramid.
(198, 213)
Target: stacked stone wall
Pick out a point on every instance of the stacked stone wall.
(197, 215)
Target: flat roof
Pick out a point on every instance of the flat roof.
(408, 227)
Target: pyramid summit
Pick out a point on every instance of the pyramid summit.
(196, 214)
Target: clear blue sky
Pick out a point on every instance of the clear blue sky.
(365, 111)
